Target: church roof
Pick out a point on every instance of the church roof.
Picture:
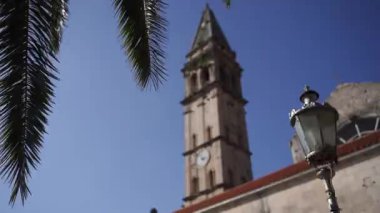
(209, 28)
(287, 172)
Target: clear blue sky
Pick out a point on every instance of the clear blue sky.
(112, 148)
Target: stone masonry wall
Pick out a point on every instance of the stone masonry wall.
(357, 185)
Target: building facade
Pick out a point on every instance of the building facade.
(217, 158)
(295, 189)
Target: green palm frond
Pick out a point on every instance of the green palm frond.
(142, 30)
(30, 33)
(228, 3)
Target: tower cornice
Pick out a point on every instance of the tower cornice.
(214, 140)
(212, 40)
(207, 89)
(199, 61)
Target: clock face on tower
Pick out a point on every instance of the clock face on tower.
(202, 157)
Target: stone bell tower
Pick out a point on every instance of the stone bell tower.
(217, 155)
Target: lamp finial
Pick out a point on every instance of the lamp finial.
(309, 97)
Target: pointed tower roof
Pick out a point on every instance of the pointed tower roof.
(209, 28)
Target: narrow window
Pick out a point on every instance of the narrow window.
(194, 141)
(193, 83)
(211, 179)
(195, 185)
(209, 133)
(222, 76)
(205, 75)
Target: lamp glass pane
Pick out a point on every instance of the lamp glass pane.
(311, 130)
(327, 120)
(301, 136)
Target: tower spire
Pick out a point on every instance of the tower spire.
(208, 29)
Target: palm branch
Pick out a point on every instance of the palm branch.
(30, 33)
(142, 31)
(228, 3)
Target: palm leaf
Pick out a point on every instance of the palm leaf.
(228, 3)
(30, 33)
(142, 31)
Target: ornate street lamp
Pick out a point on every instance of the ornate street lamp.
(315, 125)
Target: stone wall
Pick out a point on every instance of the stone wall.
(355, 100)
(357, 184)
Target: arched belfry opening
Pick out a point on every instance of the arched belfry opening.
(193, 83)
(222, 76)
(205, 75)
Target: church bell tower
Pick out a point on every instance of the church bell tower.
(217, 155)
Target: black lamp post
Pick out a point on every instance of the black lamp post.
(315, 125)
